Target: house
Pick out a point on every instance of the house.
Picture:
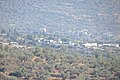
(90, 45)
(108, 45)
(51, 41)
(60, 41)
(71, 43)
(4, 43)
(13, 43)
(30, 48)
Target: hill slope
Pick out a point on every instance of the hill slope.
(97, 16)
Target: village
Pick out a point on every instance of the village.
(49, 57)
(57, 43)
(59, 39)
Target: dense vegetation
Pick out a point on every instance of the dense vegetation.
(47, 63)
(63, 18)
(77, 21)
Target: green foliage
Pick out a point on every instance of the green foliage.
(65, 75)
(2, 70)
(66, 65)
(81, 77)
(42, 75)
(37, 49)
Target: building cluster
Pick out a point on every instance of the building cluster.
(12, 45)
(101, 45)
(44, 41)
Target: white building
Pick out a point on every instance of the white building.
(71, 43)
(109, 45)
(13, 43)
(60, 41)
(90, 45)
(44, 30)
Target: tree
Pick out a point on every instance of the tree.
(1, 48)
(65, 75)
(42, 75)
(2, 70)
(6, 48)
(37, 50)
(2, 31)
(81, 77)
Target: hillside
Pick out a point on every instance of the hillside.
(51, 64)
(101, 18)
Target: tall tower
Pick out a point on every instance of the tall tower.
(44, 31)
